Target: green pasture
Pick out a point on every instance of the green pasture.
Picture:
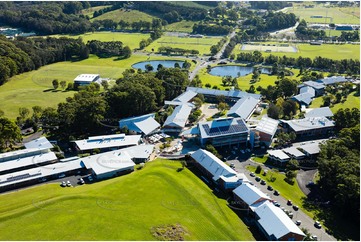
(90, 11)
(203, 45)
(352, 101)
(332, 51)
(122, 208)
(127, 16)
(335, 15)
(190, 4)
(182, 26)
(35, 87)
(130, 39)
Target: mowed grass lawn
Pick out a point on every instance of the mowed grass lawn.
(203, 45)
(352, 101)
(345, 15)
(122, 208)
(130, 39)
(127, 16)
(90, 11)
(182, 26)
(35, 87)
(336, 52)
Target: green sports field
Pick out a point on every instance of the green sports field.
(203, 45)
(35, 87)
(346, 15)
(182, 26)
(336, 52)
(123, 208)
(130, 39)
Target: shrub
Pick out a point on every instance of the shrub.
(258, 169)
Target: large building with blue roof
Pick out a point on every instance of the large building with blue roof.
(223, 132)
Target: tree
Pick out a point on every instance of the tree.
(258, 169)
(273, 111)
(213, 150)
(127, 52)
(9, 133)
(149, 67)
(70, 86)
(62, 84)
(24, 113)
(290, 176)
(55, 83)
(105, 84)
(293, 165)
(222, 106)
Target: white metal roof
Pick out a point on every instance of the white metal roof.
(267, 125)
(293, 151)
(315, 85)
(27, 161)
(39, 172)
(139, 151)
(309, 123)
(117, 160)
(212, 164)
(243, 107)
(185, 96)
(307, 89)
(222, 127)
(305, 97)
(41, 143)
(332, 80)
(86, 77)
(107, 141)
(147, 125)
(275, 222)
(231, 93)
(179, 116)
(249, 193)
(278, 154)
(311, 149)
(20, 154)
(319, 112)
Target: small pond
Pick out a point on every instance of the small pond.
(155, 63)
(235, 71)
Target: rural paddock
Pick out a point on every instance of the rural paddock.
(270, 48)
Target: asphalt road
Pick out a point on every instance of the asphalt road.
(303, 177)
(306, 221)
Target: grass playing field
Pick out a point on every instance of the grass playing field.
(182, 26)
(335, 15)
(337, 52)
(203, 45)
(127, 16)
(130, 39)
(35, 87)
(123, 208)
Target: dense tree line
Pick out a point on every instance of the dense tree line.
(216, 48)
(334, 66)
(179, 51)
(237, 39)
(46, 17)
(163, 8)
(115, 6)
(349, 36)
(211, 29)
(26, 54)
(339, 171)
(270, 5)
(271, 21)
(302, 32)
(108, 49)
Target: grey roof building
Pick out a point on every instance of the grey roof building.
(145, 124)
(332, 80)
(319, 87)
(243, 108)
(319, 112)
(294, 153)
(178, 119)
(303, 98)
(310, 126)
(230, 94)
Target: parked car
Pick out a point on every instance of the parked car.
(289, 202)
(61, 175)
(81, 181)
(318, 224)
(269, 188)
(277, 204)
(263, 182)
(298, 222)
(314, 237)
(258, 178)
(276, 193)
(290, 214)
(232, 165)
(295, 207)
(68, 183)
(252, 174)
(63, 184)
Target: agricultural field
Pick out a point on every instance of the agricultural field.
(128, 16)
(35, 87)
(182, 26)
(203, 45)
(130, 39)
(90, 11)
(122, 208)
(336, 15)
(336, 52)
(190, 4)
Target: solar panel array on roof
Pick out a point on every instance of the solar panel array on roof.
(229, 128)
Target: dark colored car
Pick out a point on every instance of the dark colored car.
(276, 193)
(270, 188)
(289, 202)
(258, 178)
(263, 182)
(295, 207)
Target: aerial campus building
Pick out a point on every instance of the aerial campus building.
(223, 132)
(107, 142)
(264, 132)
(85, 79)
(217, 171)
(144, 125)
(244, 108)
(232, 95)
(273, 223)
(307, 127)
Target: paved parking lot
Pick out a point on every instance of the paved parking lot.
(306, 221)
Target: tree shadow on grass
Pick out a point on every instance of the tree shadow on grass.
(48, 90)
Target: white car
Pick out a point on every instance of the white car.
(63, 184)
(298, 222)
(68, 183)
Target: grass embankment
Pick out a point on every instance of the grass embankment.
(182, 26)
(352, 101)
(123, 208)
(90, 11)
(127, 16)
(35, 87)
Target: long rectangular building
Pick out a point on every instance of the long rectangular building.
(178, 119)
(309, 126)
(233, 94)
(223, 131)
(243, 108)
